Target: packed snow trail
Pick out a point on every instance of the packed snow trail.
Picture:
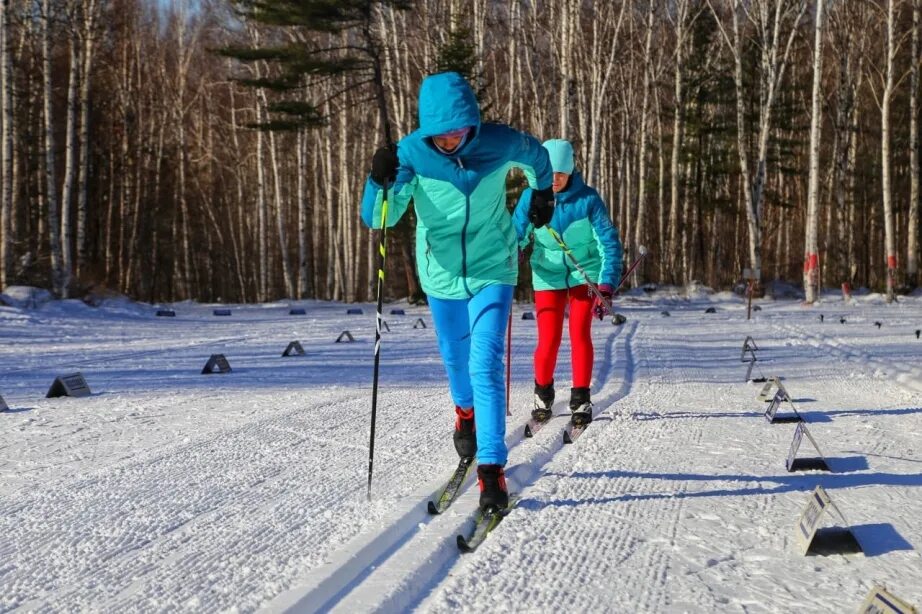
(169, 490)
(684, 503)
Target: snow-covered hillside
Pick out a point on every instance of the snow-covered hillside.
(168, 490)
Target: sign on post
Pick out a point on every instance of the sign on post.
(882, 601)
(294, 349)
(811, 539)
(748, 355)
(73, 385)
(218, 363)
(804, 464)
(345, 337)
(771, 412)
(766, 393)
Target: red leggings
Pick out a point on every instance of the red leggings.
(550, 307)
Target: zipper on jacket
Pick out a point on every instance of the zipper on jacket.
(467, 219)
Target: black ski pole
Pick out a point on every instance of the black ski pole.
(382, 250)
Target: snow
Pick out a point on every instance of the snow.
(171, 490)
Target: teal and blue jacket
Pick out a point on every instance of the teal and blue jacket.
(465, 239)
(589, 233)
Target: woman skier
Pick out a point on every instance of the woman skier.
(593, 241)
(454, 169)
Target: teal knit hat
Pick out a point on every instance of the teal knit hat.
(561, 153)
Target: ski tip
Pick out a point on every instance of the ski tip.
(433, 510)
(463, 546)
(528, 432)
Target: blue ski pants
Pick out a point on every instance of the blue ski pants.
(472, 335)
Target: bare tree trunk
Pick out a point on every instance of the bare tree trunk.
(304, 274)
(70, 169)
(58, 275)
(885, 179)
(640, 222)
(811, 249)
(678, 129)
(281, 224)
(261, 210)
(567, 14)
(88, 27)
(912, 243)
(6, 153)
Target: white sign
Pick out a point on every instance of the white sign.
(811, 538)
(793, 463)
(881, 601)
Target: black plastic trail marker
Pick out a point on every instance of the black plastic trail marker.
(72, 385)
(217, 363)
(294, 349)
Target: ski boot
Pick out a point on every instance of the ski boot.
(581, 406)
(493, 493)
(544, 401)
(464, 436)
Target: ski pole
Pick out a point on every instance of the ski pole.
(593, 288)
(382, 249)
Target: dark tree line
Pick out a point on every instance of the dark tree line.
(132, 157)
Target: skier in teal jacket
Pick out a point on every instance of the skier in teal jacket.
(593, 241)
(454, 170)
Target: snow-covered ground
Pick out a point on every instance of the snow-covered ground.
(168, 490)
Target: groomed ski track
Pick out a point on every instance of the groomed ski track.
(396, 569)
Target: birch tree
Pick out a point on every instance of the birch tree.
(884, 88)
(912, 221)
(58, 271)
(811, 249)
(6, 146)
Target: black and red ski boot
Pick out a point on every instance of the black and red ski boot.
(493, 493)
(544, 402)
(581, 406)
(465, 436)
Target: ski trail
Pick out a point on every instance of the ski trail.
(400, 565)
(904, 374)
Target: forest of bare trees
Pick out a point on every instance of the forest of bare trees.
(779, 136)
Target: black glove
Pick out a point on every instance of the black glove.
(542, 207)
(384, 165)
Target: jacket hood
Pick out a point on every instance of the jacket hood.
(447, 102)
(561, 153)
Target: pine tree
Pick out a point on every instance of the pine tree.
(302, 64)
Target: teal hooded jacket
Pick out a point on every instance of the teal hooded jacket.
(465, 239)
(589, 233)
